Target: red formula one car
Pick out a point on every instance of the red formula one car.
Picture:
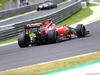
(48, 32)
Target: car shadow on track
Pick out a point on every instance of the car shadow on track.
(44, 44)
(73, 38)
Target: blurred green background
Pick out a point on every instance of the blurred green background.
(4, 2)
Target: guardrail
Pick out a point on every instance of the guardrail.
(87, 1)
(12, 30)
(54, 1)
(16, 11)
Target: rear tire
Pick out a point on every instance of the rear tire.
(81, 30)
(23, 41)
(53, 36)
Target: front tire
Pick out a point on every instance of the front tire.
(53, 36)
(23, 40)
(81, 30)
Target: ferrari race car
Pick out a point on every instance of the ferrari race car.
(47, 32)
(46, 5)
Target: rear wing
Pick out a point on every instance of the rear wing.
(37, 27)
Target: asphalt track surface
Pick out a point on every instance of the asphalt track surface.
(12, 56)
(35, 14)
(97, 1)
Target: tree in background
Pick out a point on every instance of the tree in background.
(4, 2)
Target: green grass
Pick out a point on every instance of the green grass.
(65, 0)
(8, 41)
(58, 65)
(55, 66)
(3, 3)
(31, 0)
(80, 15)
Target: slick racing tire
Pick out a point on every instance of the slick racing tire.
(23, 40)
(55, 6)
(38, 9)
(81, 30)
(49, 7)
(53, 36)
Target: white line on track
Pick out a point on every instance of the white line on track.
(93, 21)
(16, 41)
(26, 13)
(18, 16)
(50, 61)
(8, 44)
(53, 60)
(92, 1)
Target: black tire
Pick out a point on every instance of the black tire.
(53, 36)
(23, 41)
(52, 6)
(38, 9)
(55, 6)
(49, 7)
(81, 30)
